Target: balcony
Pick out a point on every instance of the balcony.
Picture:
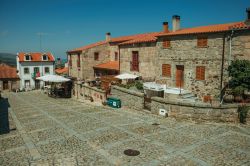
(35, 75)
(134, 66)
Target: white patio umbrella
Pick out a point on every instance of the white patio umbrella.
(53, 78)
(126, 76)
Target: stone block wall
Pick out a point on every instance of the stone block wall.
(196, 111)
(84, 92)
(184, 51)
(129, 98)
(241, 45)
(147, 59)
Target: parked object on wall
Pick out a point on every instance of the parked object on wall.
(114, 102)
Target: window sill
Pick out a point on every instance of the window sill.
(201, 46)
(166, 47)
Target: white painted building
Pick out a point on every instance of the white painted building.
(33, 65)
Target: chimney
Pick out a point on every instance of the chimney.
(176, 22)
(108, 36)
(165, 27)
(248, 13)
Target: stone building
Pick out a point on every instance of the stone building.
(9, 79)
(195, 59)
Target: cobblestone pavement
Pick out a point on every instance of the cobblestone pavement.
(66, 132)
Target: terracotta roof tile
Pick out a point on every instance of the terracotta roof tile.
(35, 56)
(8, 71)
(148, 37)
(62, 71)
(111, 65)
(205, 29)
(87, 47)
(151, 37)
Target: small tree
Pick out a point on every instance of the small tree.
(239, 71)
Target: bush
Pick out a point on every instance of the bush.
(239, 70)
(242, 113)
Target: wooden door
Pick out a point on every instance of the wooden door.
(135, 61)
(37, 84)
(5, 85)
(179, 76)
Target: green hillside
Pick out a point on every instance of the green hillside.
(8, 58)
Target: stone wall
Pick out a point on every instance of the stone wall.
(86, 92)
(184, 51)
(129, 98)
(147, 59)
(13, 84)
(196, 111)
(241, 45)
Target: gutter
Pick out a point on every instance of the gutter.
(222, 68)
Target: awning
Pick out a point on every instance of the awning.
(126, 76)
(53, 78)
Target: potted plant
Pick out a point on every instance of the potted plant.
(238, 93)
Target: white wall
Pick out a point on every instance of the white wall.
(31, 66)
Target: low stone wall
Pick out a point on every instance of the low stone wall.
(196, 111)
(129, 98)
(87, 92)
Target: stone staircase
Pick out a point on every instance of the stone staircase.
(188, 96)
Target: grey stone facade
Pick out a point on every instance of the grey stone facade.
(129, 98)
(196, 111)
(147, 59)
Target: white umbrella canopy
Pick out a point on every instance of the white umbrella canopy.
(53, 78)
(125, 76)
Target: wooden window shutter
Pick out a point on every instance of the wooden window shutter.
(201, 41)
(200, 73)
(166, 43)
(166, 70)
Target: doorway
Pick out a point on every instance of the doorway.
(179, 76)
(37, 84)
(5, 85)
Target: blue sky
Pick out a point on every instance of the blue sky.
(68, 24)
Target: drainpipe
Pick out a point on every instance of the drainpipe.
(230, 47)
(222, 67)
(119, 54)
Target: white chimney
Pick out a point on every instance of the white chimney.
(176, 23)
(108, 36)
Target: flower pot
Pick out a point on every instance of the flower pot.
(228, 98)
(238, 98)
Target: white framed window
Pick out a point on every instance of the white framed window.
(27, 58)
(45, 57)
(26, 70)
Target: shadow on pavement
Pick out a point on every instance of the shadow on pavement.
(4, 116)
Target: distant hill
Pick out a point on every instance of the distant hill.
(8, 58)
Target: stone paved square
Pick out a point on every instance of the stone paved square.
(48, 131)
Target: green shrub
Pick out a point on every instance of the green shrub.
(242, 113)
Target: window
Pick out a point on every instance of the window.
(116, 56)
(78, 60)
(45, 57)
(166, 70)
(200, 73)
(26, 70)
(96, 56)
(46, 70)
(201, 41)
(27, 57)
(166, 43)
(36, 69)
